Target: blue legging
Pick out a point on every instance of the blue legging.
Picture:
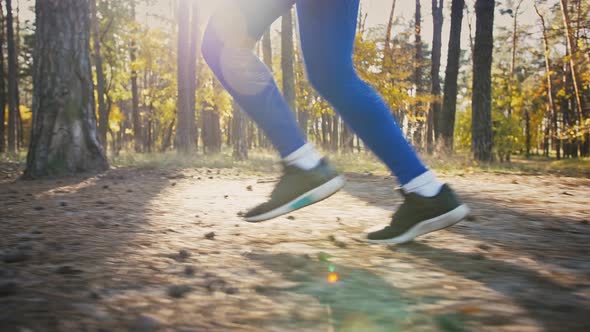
(327, 29)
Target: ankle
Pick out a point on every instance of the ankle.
(306, 157)
(425, 185)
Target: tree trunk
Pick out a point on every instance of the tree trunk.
(571, 46)
(193, 70)
(12, 80)
(267, 48)
(512, 80)
(64, 134)
(185, 129)
(388, 50)
(2, 86)
(324, 130)
(418, 57)
(211, 132)
(287, 52)
(134, 87)
(167, 142)
(435, 106)
(347, 139)
(334, 139)
(447, 116)
(103, 111)
(513, 60)
(527, 131)
(19, 119)
(550, 93)
(481, 128)
(239, 139)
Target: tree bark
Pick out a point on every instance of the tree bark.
(418, 57)
(571, 52)
(267, 49)
(64, 135)
(435, 106)
(211, 131)
(334, 137)
(103, 111)
(287, 50)
(481, 143)
(185, 128)
(550, 93)
(447, 116)
(513, 60)
(193, 70)
(2, 86)
(239, 139)
(20, 135)
(13, 104)
(527, 131)
(134, 88)
(388, 50)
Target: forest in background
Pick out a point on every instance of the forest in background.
(151, 90)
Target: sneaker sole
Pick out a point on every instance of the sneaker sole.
(428, 226)
(313, 196)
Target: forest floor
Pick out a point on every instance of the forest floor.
(137, 249)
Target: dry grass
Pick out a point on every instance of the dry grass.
(262, 162)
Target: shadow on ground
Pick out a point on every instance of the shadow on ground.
(558, 242)
(68, 234)
(543, 235)
(557, 307)
(359, 301)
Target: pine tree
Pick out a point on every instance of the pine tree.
(64, 135)
(481, 127)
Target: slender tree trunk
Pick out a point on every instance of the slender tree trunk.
(12, 80)
(449, 109)
(195, 50)
(287, 50)
(418, 58)
(335, 139)
(267, 58)
(482, 81)
(512, 80)
(388, 50)
(435, 106)
(185, 129)
(134, 88)
(103, 111)
(19, 119)
(239, 138)
(211, 132)
(527, 131)
(571, 54)
(324, 130)
(267, 48)
(64, 135)
(550, 92)
(167, 142)
(513, 60)
(347, 139)
(2, 86)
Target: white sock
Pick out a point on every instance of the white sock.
(425, 185)
(306, 157)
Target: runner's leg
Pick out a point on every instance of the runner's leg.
(328, 29)
(227, 47)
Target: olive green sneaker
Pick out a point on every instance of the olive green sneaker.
(421, 215)
(296, 189)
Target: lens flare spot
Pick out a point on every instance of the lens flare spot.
(333, 277)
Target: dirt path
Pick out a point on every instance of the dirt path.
(158, 250)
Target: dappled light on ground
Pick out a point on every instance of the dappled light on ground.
(156, 249)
